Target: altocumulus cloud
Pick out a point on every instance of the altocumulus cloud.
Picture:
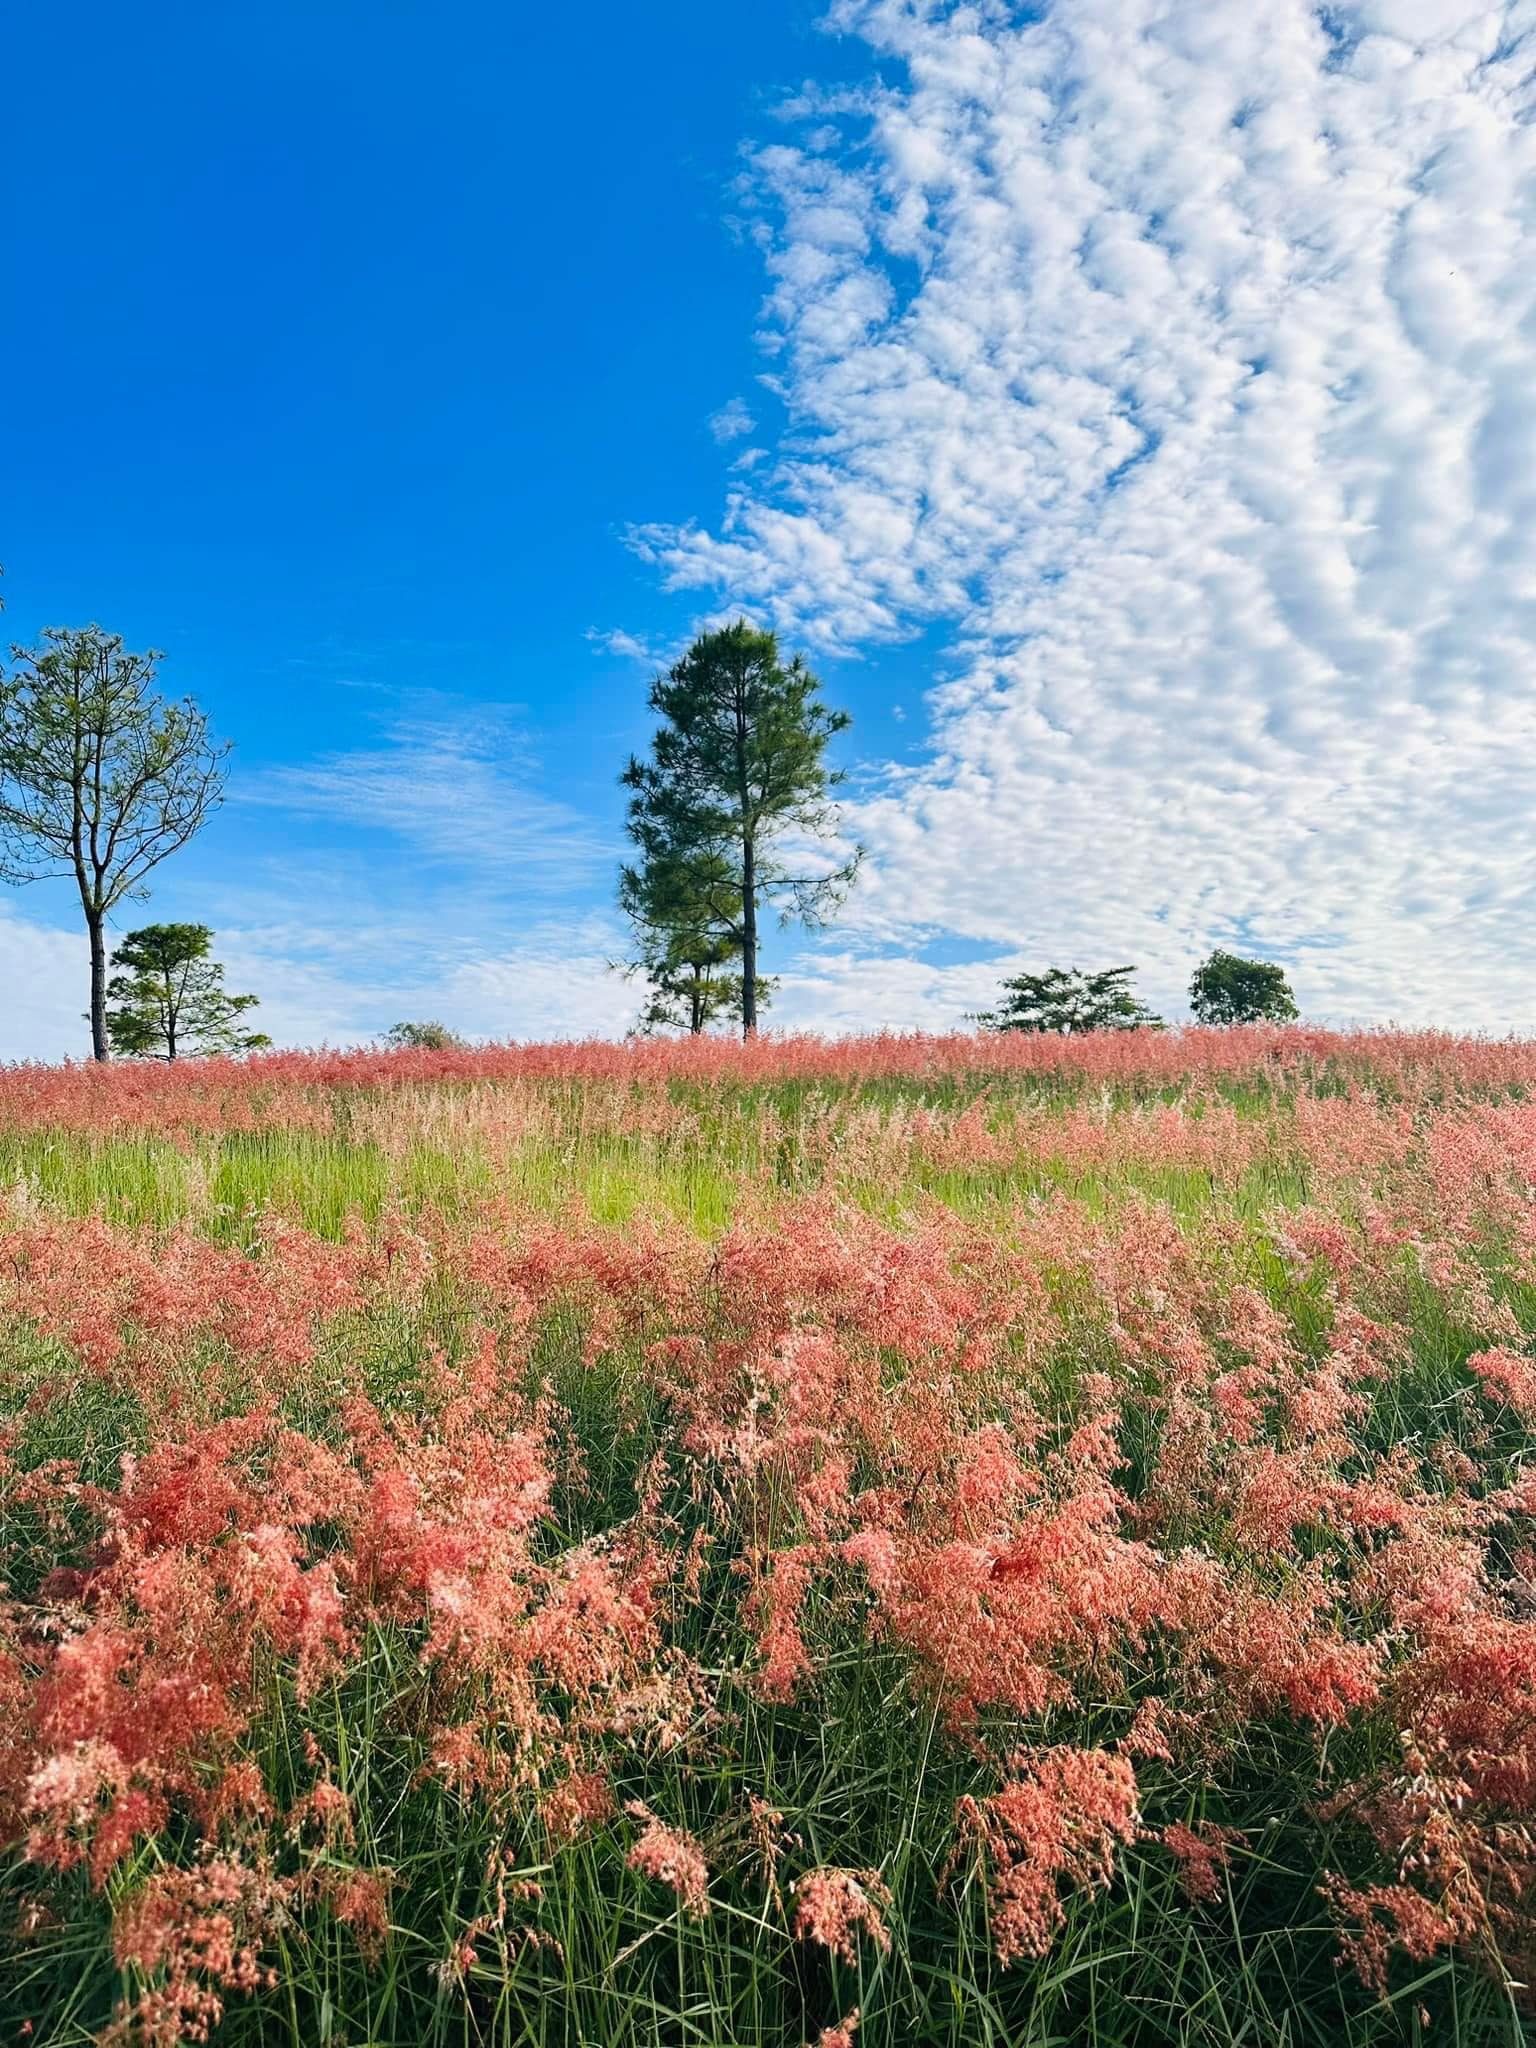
(1180, 361)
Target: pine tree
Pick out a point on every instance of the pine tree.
(168, 999)
(736, 789)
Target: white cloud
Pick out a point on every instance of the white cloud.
(837, 990)
(455, 780)
(623, 645)
(460, 892)
(1180, 358)
(556, 984)
(732, 421)
(1175, 363)
(45, 974)
(346, 986)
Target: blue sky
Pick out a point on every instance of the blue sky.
(362, 334)
(1147, 386)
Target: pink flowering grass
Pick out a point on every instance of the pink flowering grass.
(967, 1540)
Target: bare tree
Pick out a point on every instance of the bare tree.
(100, 778)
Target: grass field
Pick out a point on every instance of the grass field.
(920, 1541)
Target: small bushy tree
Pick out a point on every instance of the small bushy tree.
(1228, 989)
(426, 1036)
(1069, 1001)
(167, 997)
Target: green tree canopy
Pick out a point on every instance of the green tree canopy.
(729, 810)
(1069, 1001)
(167, 997)
(426, 1036)
(1228, 989)
(100, 778)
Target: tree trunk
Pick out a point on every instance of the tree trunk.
(99, 1047)
(748, 939)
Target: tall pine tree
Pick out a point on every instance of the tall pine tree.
(729, 810)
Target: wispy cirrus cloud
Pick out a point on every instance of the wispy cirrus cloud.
(455, 780)
(1180, 360)
(468, 898)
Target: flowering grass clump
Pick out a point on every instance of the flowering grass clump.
(959, 1540)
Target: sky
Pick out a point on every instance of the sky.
(1128, 405)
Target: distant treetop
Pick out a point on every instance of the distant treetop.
(1068, 1001)
(1228, 989)
(428, 1036)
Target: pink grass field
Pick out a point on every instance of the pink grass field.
(236, 1092)
(891, 1540)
